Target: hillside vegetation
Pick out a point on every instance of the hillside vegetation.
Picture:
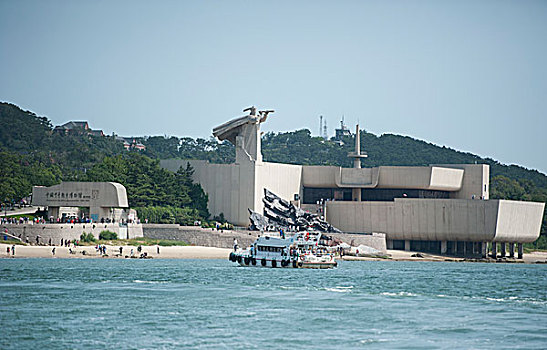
(34, 155)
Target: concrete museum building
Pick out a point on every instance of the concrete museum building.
(438, 208)
(99, 201)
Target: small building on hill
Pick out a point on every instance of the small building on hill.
(130, 143)
(77, 128)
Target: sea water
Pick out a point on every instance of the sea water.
(214, 304)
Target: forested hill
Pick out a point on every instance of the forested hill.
(299, 147)
(28, 139)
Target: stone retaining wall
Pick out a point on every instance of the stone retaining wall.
(67, 231)
(196, 235)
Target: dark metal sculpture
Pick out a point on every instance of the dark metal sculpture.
(280, 214)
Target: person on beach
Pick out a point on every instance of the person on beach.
(53, 251)
(61, 242)
(131, 251)
(8, 250)
(13, 249)
(121, 250)
(158, 249)
(235, 244)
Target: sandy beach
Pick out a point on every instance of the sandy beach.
(197, 252)
(175, 252)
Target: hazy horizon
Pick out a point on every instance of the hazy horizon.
(468, 75)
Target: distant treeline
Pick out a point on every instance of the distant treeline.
(34, 155)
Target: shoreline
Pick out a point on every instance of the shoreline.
(201, 252)
(112, 252)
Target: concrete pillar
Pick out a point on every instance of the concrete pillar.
(502, 250)
(484, 249)
(443, 247)
(389, 244)
(494, 250)
(356, 194)
(511, 250)
(407, 245)
(520, 250)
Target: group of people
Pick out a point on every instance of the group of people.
(68, 243)
(11, 250)
(22, 220)
(101, 249)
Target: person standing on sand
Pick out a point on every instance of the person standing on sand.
(8, 250)
(158, 249)
(53, 251)
(13, 250)
(235, 244)
(121, 250)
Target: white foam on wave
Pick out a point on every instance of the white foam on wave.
(514, 299)
(370, 341)
(149, 282)
(400, 294)
(340, 289)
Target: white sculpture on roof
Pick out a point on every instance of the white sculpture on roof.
(244, 134)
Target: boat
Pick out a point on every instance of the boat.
(302, 250)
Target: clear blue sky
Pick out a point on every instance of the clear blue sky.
(471, 75)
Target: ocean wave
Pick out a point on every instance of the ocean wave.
(514, 299)
(340, 289)
(150, 282)
(370, 341)
(399, 294)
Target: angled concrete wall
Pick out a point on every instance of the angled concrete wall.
(518, 221)
(441, 219)
(476, 181)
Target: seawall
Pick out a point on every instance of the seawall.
(196, 235)
(55, 232)
(193, 235)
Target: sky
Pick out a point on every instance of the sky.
(470, 75)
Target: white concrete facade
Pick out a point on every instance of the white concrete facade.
(441, 219)
(105, 200)
(457, 208)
